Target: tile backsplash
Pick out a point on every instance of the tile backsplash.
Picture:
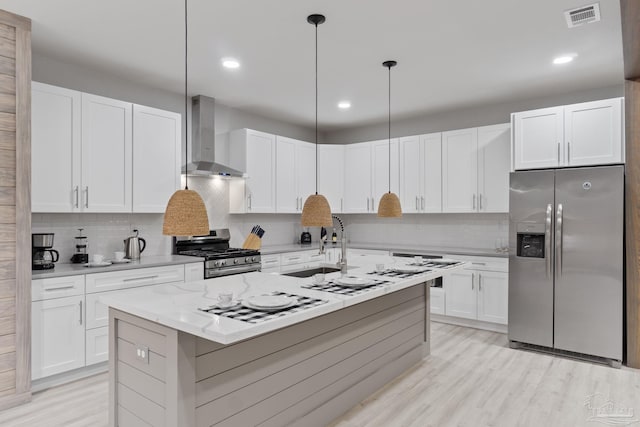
(106, 232)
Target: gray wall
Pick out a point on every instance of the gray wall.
(467, 117)
(55, 72)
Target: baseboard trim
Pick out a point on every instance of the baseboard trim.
(477, 324)
(67, 377)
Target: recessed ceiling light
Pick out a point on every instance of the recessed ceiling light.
(343, 105)
(565, 59)
(230, 63)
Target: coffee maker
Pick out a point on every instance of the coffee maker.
(42, 256)
(80, 256)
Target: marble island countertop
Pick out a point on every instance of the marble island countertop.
(176, 305)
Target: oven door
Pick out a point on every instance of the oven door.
(210, 273)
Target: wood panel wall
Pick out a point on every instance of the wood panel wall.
(15, 209)
(630, 13)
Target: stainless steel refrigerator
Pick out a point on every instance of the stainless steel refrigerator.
(566, 260)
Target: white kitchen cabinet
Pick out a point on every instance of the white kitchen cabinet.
(437, 300)
(357, 178)
(254, 153)
(124, 279)
(270, 263)
(494, 148)
(460, 170)
(331, 169)
(106, 154)
(97, 345)
(382, 176)
(493, 296)
(57, 336)
(421, 173)
(538, 138)
(367, 174)
(295, 174)
(156, 158)
(194, 272)
(460, 291)
(480, 291)
(55, 148)
(589, 133)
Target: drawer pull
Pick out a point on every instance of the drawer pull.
(60, 287)
(479, 263)
(132, 279)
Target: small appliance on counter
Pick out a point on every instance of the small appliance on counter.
(42, 256)
(305, 237)
(134, 246)
(80, 256)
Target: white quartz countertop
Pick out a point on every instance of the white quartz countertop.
(144, 262)
(414, 249)
(176, 305)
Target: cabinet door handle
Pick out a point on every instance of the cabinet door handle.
(422, 202)
(59, 287)
(474, 202)
(132, 279)
(77, 196)
(417, 208)
(367, 204)
(479, 281)
(568, 152)
(341, 208)
(479, 263)
(480, 201)
(81, 312)
(473, 279)
(558, 154)
(86, 198)
(249, 202)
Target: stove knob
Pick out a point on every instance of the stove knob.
(222, 263)
(253, 259)
(247, 259)
(235, 261)
(216, 263)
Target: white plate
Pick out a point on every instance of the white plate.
(268, 309)
(271, 301)
(120, 261)
(354, 282)
(97, 264)
(410, 269)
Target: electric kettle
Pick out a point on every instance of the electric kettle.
(134, 246)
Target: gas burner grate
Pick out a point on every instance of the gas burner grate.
(342, 290)
(435, 264)
(255, 316)
(398, 274)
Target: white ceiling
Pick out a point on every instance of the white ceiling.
(451, 53)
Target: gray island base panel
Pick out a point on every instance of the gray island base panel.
(306, 374)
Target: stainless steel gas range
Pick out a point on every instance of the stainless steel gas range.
(220, 259)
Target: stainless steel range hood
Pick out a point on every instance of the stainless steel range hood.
(203, 141)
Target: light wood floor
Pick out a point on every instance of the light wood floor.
(472, 378)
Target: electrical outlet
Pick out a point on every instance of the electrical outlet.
(142, 353)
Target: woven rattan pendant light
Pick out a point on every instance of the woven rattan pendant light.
(389, 206)
(186, 214)
(316, 211)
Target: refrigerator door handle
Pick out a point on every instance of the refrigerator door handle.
(547, 238)
(559, 240)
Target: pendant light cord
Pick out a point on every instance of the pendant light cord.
(389, 129)
(186, 101)
(316, 25)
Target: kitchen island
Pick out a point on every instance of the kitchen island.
(173, 364)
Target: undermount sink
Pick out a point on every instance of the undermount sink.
(311, 271)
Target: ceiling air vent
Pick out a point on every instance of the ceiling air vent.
(583, 15)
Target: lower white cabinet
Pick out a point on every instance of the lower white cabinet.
(57, 335)
(270, 263)
(194, 272)
(97, 345)
(437, 298)
(479, 292)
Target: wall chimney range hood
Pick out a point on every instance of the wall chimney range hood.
(203, 141)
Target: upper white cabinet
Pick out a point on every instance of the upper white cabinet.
(367, 174)
(493, 168)
(357, 178)
(55, 154)
(460, 170)
(331, 175)
(295, 174)
(421, 173)
(589, 133)
(156, 158)
(255, 153)
(89, 157)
